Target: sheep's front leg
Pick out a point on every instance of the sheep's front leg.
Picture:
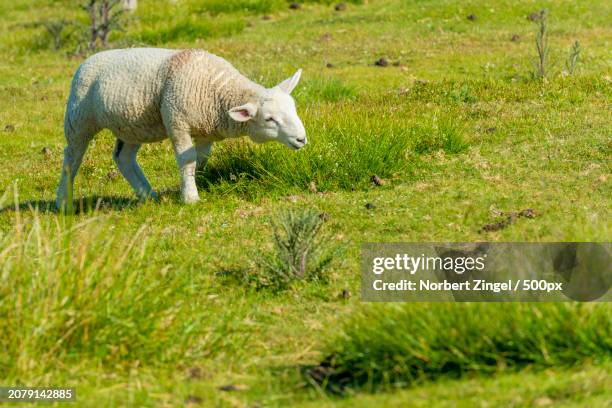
(186, 158)
(203, 151)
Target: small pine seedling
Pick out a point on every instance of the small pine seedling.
(299, 250)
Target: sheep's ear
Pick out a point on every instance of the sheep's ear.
(289, 84)
(243, 113)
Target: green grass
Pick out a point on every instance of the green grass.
(189, 29)
(137, 304)
(76, 290)
(579, 387)
(325, 90)
(386, 347)
(215, 7)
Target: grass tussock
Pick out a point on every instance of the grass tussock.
(400, 345)
(444, 135)
(343, 155)
(78, 290)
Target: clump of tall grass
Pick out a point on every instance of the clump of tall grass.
(442, 135)
(75, 290)
(462, 95)
(400, 345)
(346, 148)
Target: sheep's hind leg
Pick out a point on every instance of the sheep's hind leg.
(125, 158)
(203, 152)
(73, 157)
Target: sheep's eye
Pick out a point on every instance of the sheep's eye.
(271, 119)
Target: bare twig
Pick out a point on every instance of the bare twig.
(574, 57)
(104, 17)
(542, 44)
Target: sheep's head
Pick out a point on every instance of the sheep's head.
(273, 117)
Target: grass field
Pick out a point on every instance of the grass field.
(144, 304)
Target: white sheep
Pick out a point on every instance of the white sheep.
(144, 95)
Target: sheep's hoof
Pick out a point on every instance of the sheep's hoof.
(191, 199)
(61, 207)
(152, 196)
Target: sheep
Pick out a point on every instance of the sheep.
(145, 95)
